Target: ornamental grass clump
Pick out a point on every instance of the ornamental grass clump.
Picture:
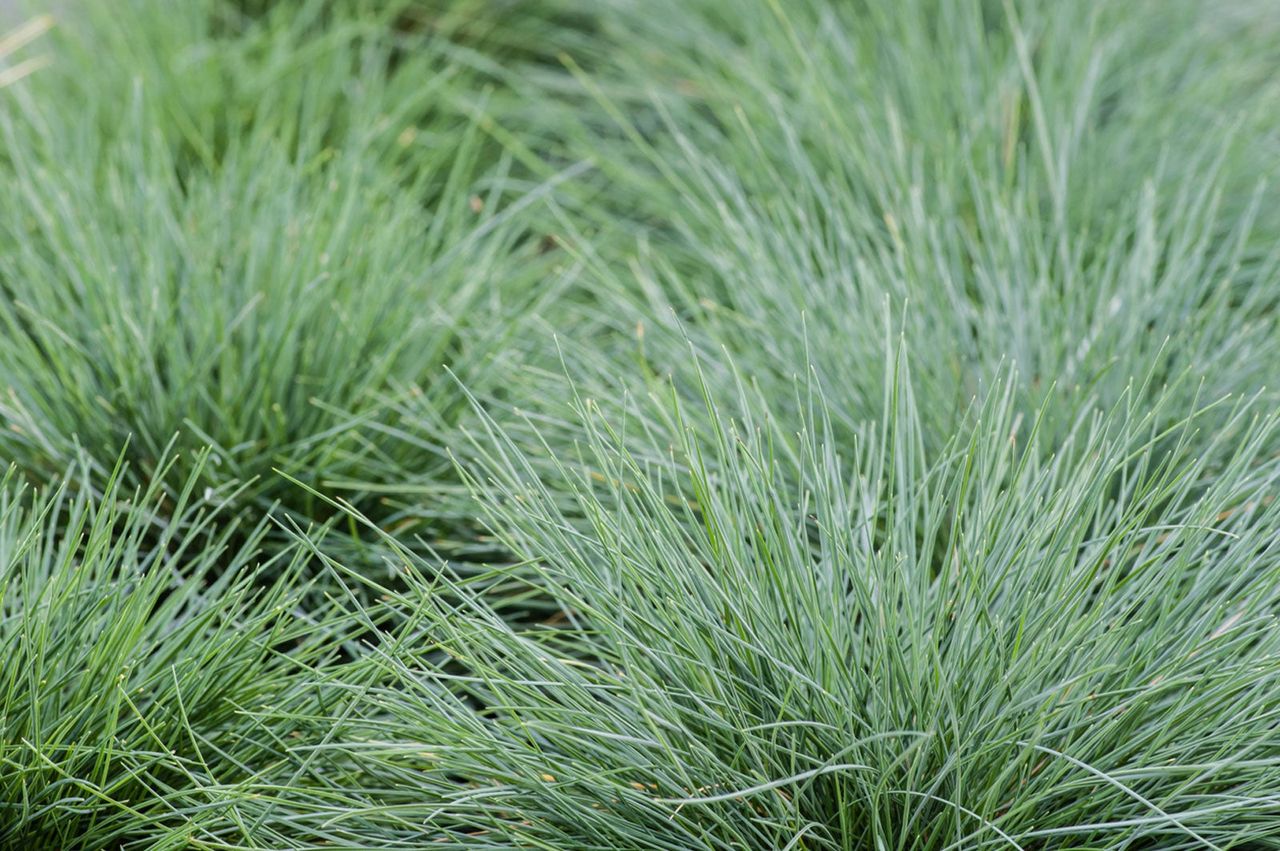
(877, 646)
(266, 302)
(681, 424)
(1077, 189)
(139, 652)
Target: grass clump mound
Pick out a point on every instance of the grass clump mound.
(138, 653)
(791, 173)
(267, 302)
(690, 425)
(978, 647)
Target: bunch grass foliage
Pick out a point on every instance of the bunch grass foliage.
(264, 274)
(984, 645)
(790, 172)
(682, 424)
(137, 651)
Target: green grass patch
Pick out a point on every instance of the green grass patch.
(682, 424)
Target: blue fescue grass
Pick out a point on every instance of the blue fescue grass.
(626, 425)
(989, 645)
(260, 274)
(136, 651)
(792, 172)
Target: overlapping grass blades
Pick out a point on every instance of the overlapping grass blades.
(988, 645)
(1043, 184)
(259, 278)
(137, 651)
(806, 425)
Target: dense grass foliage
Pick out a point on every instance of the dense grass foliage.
(257, 283)
(911, 687)
(1045, 185)
(686, 424)
(137, 651)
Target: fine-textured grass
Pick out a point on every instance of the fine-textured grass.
(984, 648)
(136, 652)
(1077, 189)
(684, 424)
(264, 298)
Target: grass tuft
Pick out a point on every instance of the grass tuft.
(140, 649)
(681, 424)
